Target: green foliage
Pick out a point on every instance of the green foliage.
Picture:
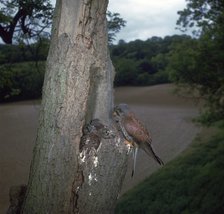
(22, 53)
(183, 65)
(199, 63)
(203, 15)
(22, 70)
(114, 25)
(193, 183)
(126, 72)
(21, 81)
(143, 62)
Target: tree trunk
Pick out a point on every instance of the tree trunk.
(78, 87)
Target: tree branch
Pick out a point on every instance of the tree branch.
(5, 35)
(7, 32)
(24, 28)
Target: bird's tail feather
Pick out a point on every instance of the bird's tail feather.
(149, 150)
(135, 151)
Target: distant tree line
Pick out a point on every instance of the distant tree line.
(22, 69)
(142, 63)
(137, 63)
(10, 54)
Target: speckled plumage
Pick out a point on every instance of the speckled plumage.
(93, 132)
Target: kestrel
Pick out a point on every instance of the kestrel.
(134, 132)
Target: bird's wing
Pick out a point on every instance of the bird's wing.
(136, 129)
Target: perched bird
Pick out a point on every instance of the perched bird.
(134, 132)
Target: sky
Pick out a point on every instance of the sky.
(147, 18)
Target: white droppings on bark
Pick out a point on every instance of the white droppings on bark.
(95, 161)
(77, 189)
(92, 178)
(82, 156)
(118, 141)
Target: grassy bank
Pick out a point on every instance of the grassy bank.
(192, 183)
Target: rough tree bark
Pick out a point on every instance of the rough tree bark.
(78, 87)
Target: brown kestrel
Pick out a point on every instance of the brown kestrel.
(134, 132)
